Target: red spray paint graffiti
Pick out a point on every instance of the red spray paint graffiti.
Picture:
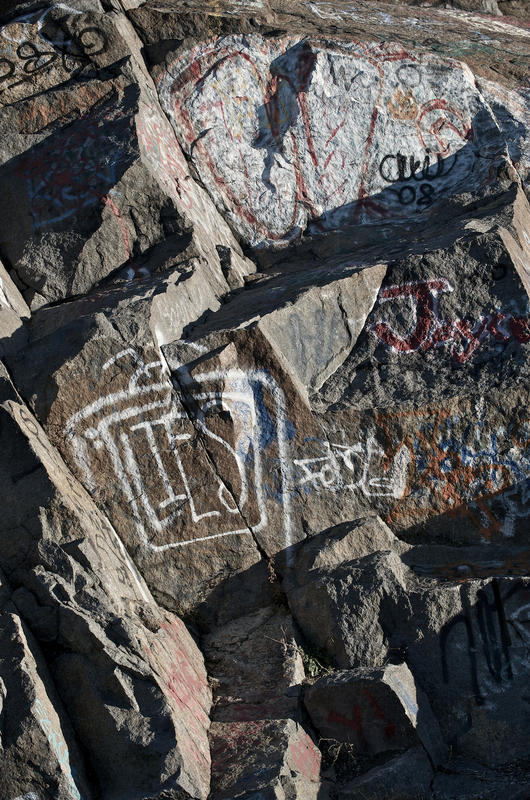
(429, 330)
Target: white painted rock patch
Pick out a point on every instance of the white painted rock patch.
(293, 132)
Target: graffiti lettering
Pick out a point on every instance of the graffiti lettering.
(290, 139)
(92, 41)
(7, 69)
(429, 330)
(146, 434)
(394, 167)
(32, 56)
(21, 57)
(409, 74)
(350, 467)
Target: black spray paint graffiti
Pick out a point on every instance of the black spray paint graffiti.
(74, 53)
(397, 167)
(490, 634)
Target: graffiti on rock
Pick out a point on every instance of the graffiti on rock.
(355, 467)
(184, 687)
(150, 449)
(289, 132)
(162, 149)
(305, 756)
(59, 747)
(429, 330)
(398, 168)
(237, 736)
(26, 49)
(368, 722)
(467, 469)
(497, 631)
(71, 172)
(421, 464)
(157, 444)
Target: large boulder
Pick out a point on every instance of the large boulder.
(129, 674)
(274, 760)
(375, 710)
(92, 177)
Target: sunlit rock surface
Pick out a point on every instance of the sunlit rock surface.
(264, 330)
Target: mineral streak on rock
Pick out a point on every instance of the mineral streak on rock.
(264, 390)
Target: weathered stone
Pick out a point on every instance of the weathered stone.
(375, 710)
(352, 611)
(273, 759)
(13, 310)
(469, 655)
(72, 176)
(266, 279)
(152, 310)
(336, 546)
(39, 749)
(463, 643)
(311, 329)
(468, 780)
(287, 86)
(256, 665)
(404, 777)
(130, 675)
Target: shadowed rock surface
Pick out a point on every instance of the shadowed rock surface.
(264, 390)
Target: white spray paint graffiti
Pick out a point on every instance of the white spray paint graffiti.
(3, 299)
(147, 422)
(334, 471)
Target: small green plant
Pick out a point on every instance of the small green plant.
(312, 666)
(315, 661)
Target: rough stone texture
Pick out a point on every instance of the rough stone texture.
(271, 759)
(474, 650)
(264, 325)
(130, 675)
(375, 710)
(82, 206)
(38, 744)
(471, 781)
(465, 640)
(13, 310)
(256, 665)
(280, 152)
(351, 608)
(403, 777)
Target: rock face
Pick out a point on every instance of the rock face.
(264, 389)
